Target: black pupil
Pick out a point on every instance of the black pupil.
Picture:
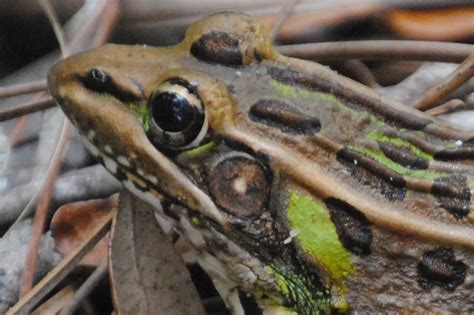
(172, 112)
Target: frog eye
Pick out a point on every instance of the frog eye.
(177, 115)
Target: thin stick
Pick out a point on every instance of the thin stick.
(440, 93)
(23, 88)
(283, 15)
(44, 199)
(41, 212)
(26, 108)
(108, 19)
(85, 289)
(21, 123)
(448, 107)
(360, 72)
(45, 285)
(54, 21)
(42, 206)
(381, 49)
(77, 43)
(17, 130)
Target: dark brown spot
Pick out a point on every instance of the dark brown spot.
(364, 177)
(284, 116)
(371, 166)
(438, 267)
(218, 47)
(461, 153)
(348, 96)
(369, 172)
(240, 185)
(403, 156)
(453, 194)
(352, 226)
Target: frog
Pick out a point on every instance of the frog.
(307, 191)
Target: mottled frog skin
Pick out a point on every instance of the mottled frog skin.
(304, 189)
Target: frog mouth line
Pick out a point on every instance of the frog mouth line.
(134, 179)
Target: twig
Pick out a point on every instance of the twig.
(26, 108)
(77, 43)
(448, 107)
(45, 285)
(53, 170)
(85, 289)
(17, 130)
(54, 21)
(23, 88)
(440, 93)
(283, 15)
(109, 18)
(381, 49)
(42, 208)
(87, 183)
(360, 72)
(44, 200)
(19, 126)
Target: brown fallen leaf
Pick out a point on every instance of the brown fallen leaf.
(147, 274)
(447, 24)
(73, 222)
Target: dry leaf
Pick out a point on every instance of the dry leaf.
(73, 222)
(148, 276)
(447, 24)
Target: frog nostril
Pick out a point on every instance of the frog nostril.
(99, 81)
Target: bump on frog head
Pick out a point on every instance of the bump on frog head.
(230, 39)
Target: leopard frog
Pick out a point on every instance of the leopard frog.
(307, 191)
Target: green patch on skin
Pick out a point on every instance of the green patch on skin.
(288, 90)
(142, 113)
(377, 123)
(198, 151)
(385, 161)
(295, 292)
(281, 310)
(453, 145)
(400, 142)
(450, 145)
(419, 133)
(195, 220)
(317, 235)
